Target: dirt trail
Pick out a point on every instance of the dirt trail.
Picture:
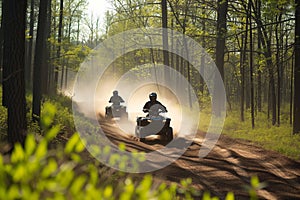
(228, 167)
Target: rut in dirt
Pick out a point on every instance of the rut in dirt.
(227, 168)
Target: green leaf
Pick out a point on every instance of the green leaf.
(48, 114)
(1, 161)
(65, 176)
(78, 184)
(76, 157)
(146, 183)
(229, 196)
(122, 147)
(30, 144)
(52, 133)
(59, 196)
(18, 154)
(13, 192)
(71, 143)
(50, 168)
(19, 173)
(93, 175)
(108, 191)
(80, 146)
(41, 150)
(95, 150)
(106, 150)
(114, 158)
(254, 182)
(3, 192)
(206, 196)
(128, 191)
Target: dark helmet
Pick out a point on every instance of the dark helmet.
(115, 92)
(153, 96)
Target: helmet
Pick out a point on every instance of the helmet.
(115, 92)
(153, 95)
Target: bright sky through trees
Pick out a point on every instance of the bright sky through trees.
(98, 8)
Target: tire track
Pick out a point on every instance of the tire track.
(228, 167)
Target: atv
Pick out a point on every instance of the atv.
(116, 111)
(155, 125)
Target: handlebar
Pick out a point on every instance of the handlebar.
(155, 111)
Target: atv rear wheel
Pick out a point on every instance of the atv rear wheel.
(169, 134)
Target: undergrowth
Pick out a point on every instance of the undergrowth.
(37, 171)
(264, 134)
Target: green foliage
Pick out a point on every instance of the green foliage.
(35, 172)
(277, 138)
(63, 113)
(255, 185)
(187, 189)
(3, 120)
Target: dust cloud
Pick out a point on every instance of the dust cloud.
(182, 118)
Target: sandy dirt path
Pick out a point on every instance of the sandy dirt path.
(228, 167)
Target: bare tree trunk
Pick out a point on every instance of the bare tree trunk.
(203, 53)
(266, 43)
(259, 38)
(59, 38)
(66, 78)
(14, 15)
(242, 71)
(220, 50)
(272, 89)
(291, 90)
(251, 67)
(1, 46)
(39, 58)
(45, 65)
(296, 124)
(221, 32)
(279, 67)
(29, 55)
(164, 13)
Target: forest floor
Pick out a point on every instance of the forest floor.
(227, 168)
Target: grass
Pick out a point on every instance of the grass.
(276, 138)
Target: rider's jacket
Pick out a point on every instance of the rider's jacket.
(154, 105)
(116, 100)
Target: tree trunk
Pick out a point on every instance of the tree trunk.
(164, 12)
(220, 51)
(45, 65)
(242, 71)
(1, 47)
(266, 43)
(251, 66)
(279, 67)
(52, 53)
(221, 32)
(29, 55)
(14, 64)
(296, 124)
(203, 52)
(59, 37)
(259, 73)
(39, 58)
(291, 90)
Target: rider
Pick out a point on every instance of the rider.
(153, 104)
(116, 100)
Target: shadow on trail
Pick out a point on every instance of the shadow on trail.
(228, 167)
